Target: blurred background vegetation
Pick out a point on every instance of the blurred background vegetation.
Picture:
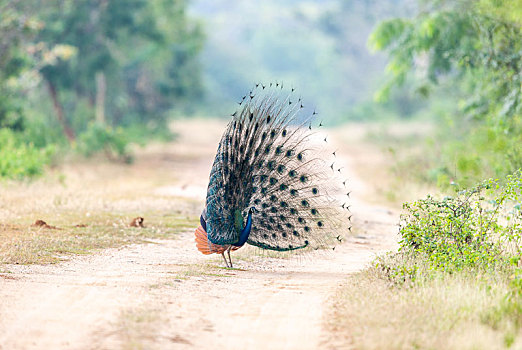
(95, 76)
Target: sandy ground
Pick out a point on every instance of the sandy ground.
(166, 295)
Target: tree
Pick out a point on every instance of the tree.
(125, 66)
(475, 47)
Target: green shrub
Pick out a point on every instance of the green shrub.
(98, 138)
(479, 227)
(18, 159)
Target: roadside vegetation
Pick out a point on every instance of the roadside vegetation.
(91, 77)
(456, 280)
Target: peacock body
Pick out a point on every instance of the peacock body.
(272, 184)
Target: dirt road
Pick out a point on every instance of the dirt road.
(165, 294)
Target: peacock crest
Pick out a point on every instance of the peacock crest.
(271, 158)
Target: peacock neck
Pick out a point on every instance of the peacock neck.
(245, 232)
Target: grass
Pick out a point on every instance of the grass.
(471, 309)
(464, 310)
(29, 245)
(446, 312)
(92, 204)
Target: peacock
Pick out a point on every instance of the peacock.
(272, 184)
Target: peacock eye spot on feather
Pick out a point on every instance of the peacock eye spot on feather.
(305, 203)
(283, 204)
(274, 235)
(273, 198)
(279, 227)
(256, 152)
(282, 217)
(307, 229)
(264, 215)
(292, 173)
(251, 116)
(315, 190)
(272, 220)
(283, 234)
(267, 149)
(303, 178)
(279, 150)
(268, 119)
(254, 189)
(306, 242)
(263, 190)
(263, 178)
(290, 246)
(289, 153)
(273, 181)
(320, 223)
(272, 134)
(263, 135)
(257, 201)
(264, 205)
(293, 211)
(301, 220)
(270, 165)
(314, 211)
(295, 233)
(256, 127)
(284, 132)
(293, 192)
(289, 225)
(283, 187)
(300, 156)
(251, 143)
(273, 210)
(265, 236)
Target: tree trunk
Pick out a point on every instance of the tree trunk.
(100, 97)
(59, 113)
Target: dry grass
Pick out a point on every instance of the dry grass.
(92, 204)
(461, 311)
(450, 312)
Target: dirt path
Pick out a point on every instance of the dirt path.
(166, 295)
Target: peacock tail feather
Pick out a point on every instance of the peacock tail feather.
(271, 158)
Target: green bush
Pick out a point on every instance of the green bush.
(99, 138)
(18, 159)
(479, 227)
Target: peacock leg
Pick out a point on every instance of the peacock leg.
(229, 259)
(226, 262)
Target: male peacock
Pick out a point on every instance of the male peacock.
(271, 184)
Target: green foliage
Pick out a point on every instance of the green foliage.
(15, 27)
(469, 50)
(19, 159)
(146, 51)
(457, 38)
(479, 227)
(65, 64)
(98, 138)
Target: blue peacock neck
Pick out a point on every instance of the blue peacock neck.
(245, 232)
